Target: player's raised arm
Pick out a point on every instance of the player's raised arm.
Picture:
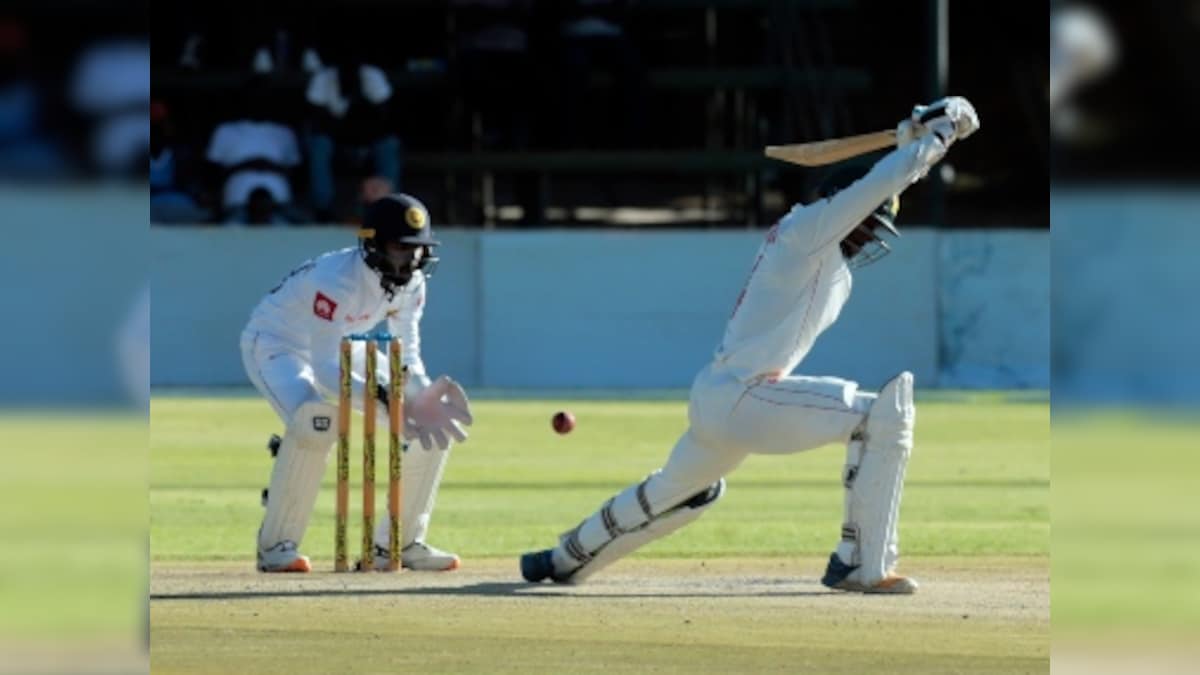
(922, 140)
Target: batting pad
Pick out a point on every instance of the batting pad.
(623, 541)
(420, 477)
(296, 477)
(869, 535)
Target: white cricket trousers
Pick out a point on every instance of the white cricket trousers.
(730, 419)
(283, 375)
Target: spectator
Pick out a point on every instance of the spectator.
(254, 152)
(26, 149)
(371, 189)
(170, 200)
(349, 104)
(277, 54)
(111, 89)
(261, 209)
(375, 187)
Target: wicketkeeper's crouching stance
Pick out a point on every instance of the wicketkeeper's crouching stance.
(747, 401)
(290, 350)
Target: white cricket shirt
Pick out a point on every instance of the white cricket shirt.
(332, 296)
(799, 281)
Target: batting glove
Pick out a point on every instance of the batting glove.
(950, 119)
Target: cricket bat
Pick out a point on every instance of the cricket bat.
(833, 150)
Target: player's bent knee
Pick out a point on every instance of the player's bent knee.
(313, 426)
(889, 425)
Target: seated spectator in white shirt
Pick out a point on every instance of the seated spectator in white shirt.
(110, 87)
(254, 152)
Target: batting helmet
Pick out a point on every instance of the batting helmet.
(863, 245)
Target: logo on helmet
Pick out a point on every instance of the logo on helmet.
(415, 217)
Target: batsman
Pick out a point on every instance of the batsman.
(290, 349)
(747, 399)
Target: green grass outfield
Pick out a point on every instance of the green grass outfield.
(975, 525)
(978, 482)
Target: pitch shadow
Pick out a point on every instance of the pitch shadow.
(483, 589)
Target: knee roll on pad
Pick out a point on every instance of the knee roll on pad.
(890, 422)
(314, 426)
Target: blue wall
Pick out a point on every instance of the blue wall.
(993, 292)
(605, 309)
(73, 260)
(1125, 309)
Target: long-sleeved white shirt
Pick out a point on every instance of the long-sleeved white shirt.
(799, 282)
(334, 295)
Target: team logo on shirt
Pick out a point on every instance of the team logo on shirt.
(415, 218)
(324, 306)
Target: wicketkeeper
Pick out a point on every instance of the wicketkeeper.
(290, 350)
(748, 401)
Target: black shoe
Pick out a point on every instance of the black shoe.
(537, 566)
(836, 572)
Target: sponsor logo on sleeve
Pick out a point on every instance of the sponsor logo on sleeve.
(321, 423)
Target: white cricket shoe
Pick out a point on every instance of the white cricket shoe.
(417, 556)
(283, 557)
(422, 557)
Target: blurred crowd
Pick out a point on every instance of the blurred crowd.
(307, 125)
(304, 113)
(74, 110)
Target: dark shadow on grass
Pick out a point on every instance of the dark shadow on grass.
(483, 589)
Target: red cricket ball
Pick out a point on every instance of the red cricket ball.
(563, 422)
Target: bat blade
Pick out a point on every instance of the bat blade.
(820, 153)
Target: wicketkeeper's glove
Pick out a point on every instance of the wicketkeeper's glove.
(438, 414)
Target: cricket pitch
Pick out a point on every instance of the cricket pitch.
(972, 614)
